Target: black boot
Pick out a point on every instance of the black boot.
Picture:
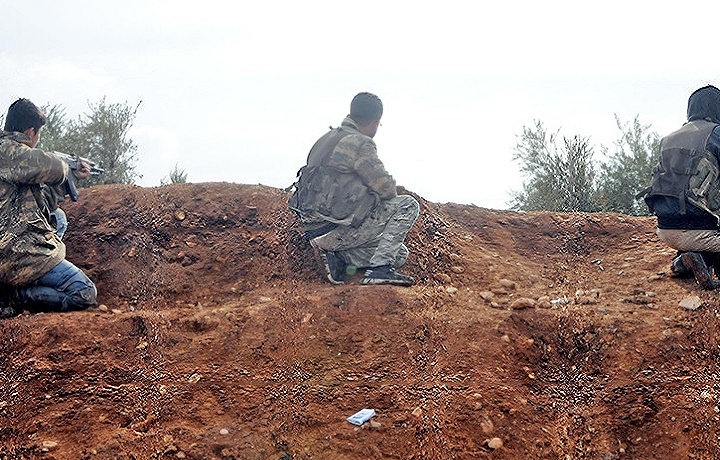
(6, 310)
(677, 268)
(712, 260)
(333, 263)
(335, 267)
(703, 274)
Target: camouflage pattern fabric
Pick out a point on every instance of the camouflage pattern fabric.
(354, 155)
(357, 153)
(30, 181)
(379, 239)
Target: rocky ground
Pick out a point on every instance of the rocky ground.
(538, 335)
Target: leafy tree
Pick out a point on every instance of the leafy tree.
(100, 135)
(54, 133)
(629, 169)
(176, 176)
(560, 176)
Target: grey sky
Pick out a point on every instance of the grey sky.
(239, 91)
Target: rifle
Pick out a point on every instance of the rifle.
(74, 162)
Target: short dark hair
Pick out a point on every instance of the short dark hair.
(366, 108)
(23, 115)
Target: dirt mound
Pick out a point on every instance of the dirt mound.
(535, 335)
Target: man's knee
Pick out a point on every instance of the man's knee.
(407, 209)
(409, 204)
(81, 298)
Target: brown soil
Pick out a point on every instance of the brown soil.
(217, 337)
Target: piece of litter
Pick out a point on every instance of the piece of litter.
(361, 417)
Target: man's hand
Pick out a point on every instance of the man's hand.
(83, 171)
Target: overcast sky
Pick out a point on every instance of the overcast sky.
(239, 91)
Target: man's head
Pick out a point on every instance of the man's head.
(25, 117)
(704, 104)
(366, 109)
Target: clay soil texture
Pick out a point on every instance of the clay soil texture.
(216, 336)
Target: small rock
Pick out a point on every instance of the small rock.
(180, 214)
(443, 278)
(375, 424)
(505, 338)
(530, 375)
(487, 295)
(180, 454)
(655, 277)
(525, 343)
(522, 303)
(103, 307)
(117, 311)
(691, 303)
(49, 444)
(544, 302)
(457, 269)
(417, 412)
(487, 426)
(224, 432)
(507, 284)
(495, 443)
(451, 290)
(142, 345)
(194, 378)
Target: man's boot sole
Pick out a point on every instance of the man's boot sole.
(379, 281)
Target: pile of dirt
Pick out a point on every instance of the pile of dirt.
(538, 335)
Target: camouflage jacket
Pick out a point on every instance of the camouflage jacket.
(353, 179)
(31, 186)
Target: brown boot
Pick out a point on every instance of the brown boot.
(696, 264)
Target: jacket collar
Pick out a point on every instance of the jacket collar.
(350, 123)
(15, 136)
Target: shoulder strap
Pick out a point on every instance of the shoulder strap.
(320, 153)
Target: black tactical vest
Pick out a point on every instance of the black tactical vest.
(687, 171)
(329, 194)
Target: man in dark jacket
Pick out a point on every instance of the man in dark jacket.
(348, 202)
(33, 269)
(685, 190)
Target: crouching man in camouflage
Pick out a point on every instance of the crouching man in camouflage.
(348, 202)
(33, 269)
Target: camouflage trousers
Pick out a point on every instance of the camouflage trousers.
(379, 239)
(691, 240)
